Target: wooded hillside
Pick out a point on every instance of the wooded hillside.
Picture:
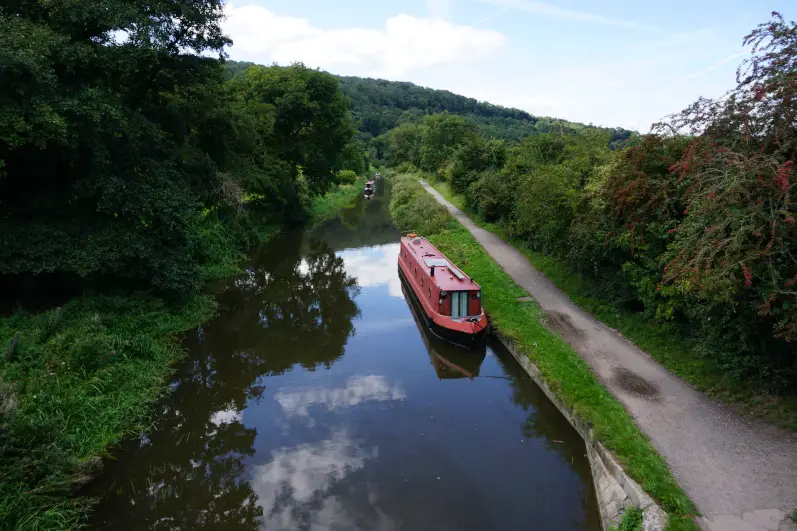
(379, 105)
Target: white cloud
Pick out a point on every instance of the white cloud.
(633, 91)
(375, 266)
(357, 390)
(654, 74)
(406, 42)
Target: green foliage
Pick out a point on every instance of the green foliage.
(630, 521)
(331, 203)
(401, 145)
(696, 233)
(80, 379)
(492, 195)
(353, 158)
(443, 134)
(132, 165)
(346, 177)
(102, 143)
(379, 106)
(473, 158)
(414, 210)
(612, 301)
(289, 99)
(110, 151)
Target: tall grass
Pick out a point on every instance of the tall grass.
(564, 370)
(79, 379)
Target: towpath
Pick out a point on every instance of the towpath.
(742, 474)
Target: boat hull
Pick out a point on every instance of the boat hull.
(460, 338)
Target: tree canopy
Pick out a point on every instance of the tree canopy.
(378, 106)
(120, 139)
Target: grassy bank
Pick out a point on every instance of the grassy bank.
(81, 377)
(327, 206)
(667, 345)
(564, 370)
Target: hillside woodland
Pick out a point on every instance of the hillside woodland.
(379, 105)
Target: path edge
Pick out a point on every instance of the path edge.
(614, 489)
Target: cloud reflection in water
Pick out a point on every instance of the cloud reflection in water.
(357, 390)
(294, 487)
(375, 266)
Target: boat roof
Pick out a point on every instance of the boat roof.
(447, 276)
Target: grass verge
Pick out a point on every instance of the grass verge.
(328, 205)
(564, 370)
(667, 345)
(631, 520)
(79, 379)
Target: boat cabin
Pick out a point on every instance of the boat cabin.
(447, 290)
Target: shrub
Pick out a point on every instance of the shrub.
(346, 177)
(414, 210)
(492, 196)
(406, 167)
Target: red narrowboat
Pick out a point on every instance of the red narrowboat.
(450, 299)
(448, 360)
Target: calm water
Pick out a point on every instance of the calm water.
(317, 401)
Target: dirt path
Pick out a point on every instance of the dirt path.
(742, 474)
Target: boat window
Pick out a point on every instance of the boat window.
(421, 280)
(430, 292)
(459, 304)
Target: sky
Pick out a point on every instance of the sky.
(610, 63)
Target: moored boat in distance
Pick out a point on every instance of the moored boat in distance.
(450, 299)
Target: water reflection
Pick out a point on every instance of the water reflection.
(309, 404)
(189, 474)
(294, 487)
(362, 224)
(357, 390)
(375, 266)
(449, 361)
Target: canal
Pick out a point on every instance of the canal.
(316, 401)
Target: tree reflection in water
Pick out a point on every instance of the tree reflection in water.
(287, 309)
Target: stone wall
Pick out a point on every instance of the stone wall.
(614, 489)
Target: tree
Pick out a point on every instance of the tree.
(476, 156)
(103, 143)
(311, 121)
(403, 144)
(443, 134)
(737, 242)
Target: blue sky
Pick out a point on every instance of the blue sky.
(612, 63)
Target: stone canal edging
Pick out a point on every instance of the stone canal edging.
(615, 490)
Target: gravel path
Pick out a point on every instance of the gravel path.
(742, 474)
